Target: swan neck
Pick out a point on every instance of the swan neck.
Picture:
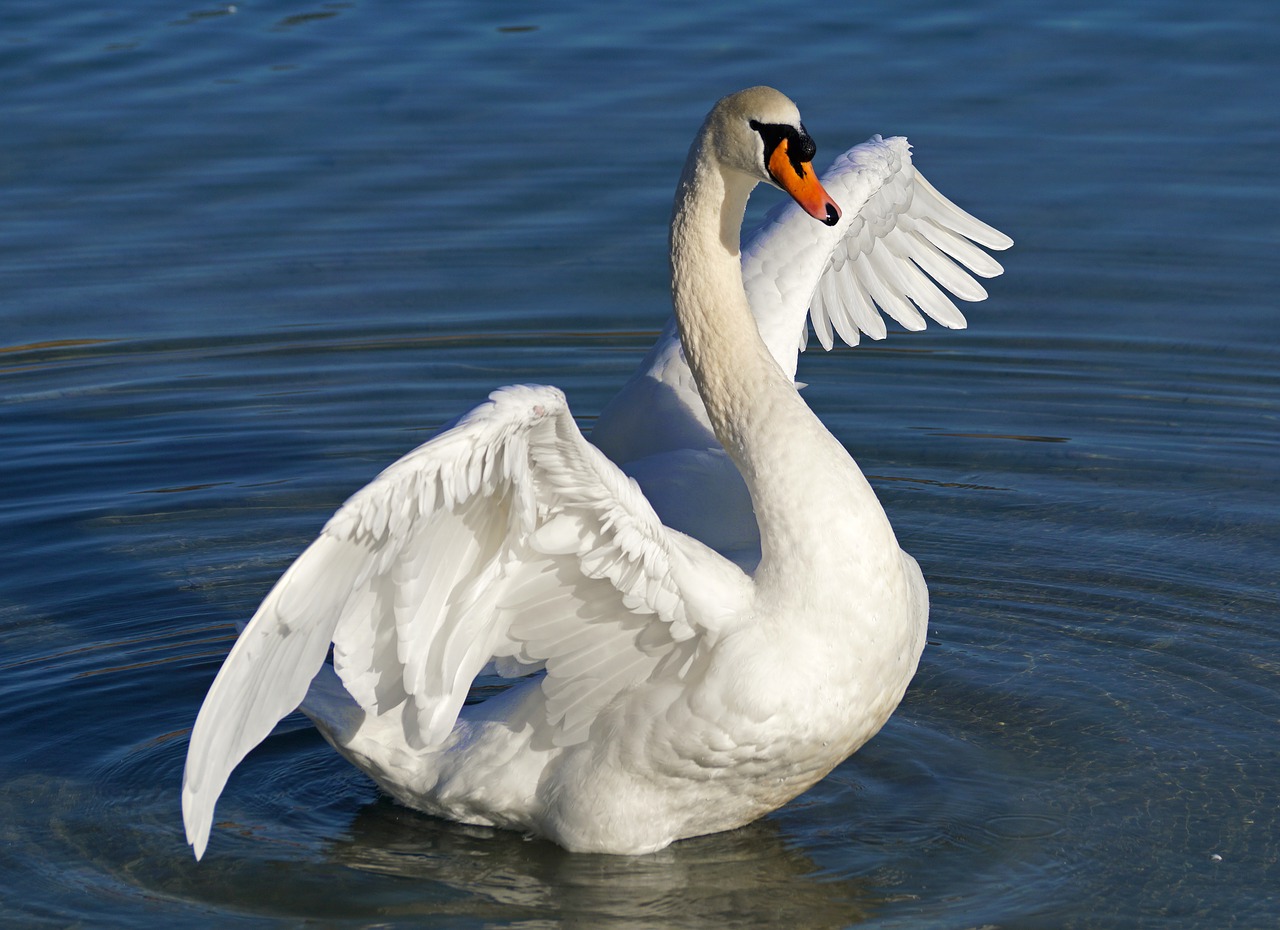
(797, 473)
(717, 329)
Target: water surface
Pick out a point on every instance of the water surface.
(251, 254)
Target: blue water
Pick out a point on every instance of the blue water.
(251, 254)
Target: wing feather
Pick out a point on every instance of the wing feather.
(960, 249)
(898, 248)
(945, 213)
(946, 272)
(506, 542)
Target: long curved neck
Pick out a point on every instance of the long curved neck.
(718, 333)
(796, 472)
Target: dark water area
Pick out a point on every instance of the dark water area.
(251, 254)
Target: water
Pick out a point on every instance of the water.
(250, 255)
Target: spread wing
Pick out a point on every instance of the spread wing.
(899, 247)
(508, 542)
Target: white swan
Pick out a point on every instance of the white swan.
(669, 694)
(894, 223)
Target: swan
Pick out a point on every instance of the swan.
(661, 691)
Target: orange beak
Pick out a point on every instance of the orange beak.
(800, 181)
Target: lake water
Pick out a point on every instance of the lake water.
(251, 254)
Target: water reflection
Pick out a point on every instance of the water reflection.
(391, 863)
(747, 878)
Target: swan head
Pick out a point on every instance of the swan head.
(758, 132)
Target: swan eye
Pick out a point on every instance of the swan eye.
(800, 145)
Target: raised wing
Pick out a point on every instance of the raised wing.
(898, 248)
(507, 541)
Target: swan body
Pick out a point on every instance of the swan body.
(660, 690)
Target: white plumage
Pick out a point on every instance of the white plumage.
(662, 691)
(894, 223)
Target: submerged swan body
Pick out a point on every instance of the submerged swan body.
(662, 691)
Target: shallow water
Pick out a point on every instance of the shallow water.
(250, 255)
